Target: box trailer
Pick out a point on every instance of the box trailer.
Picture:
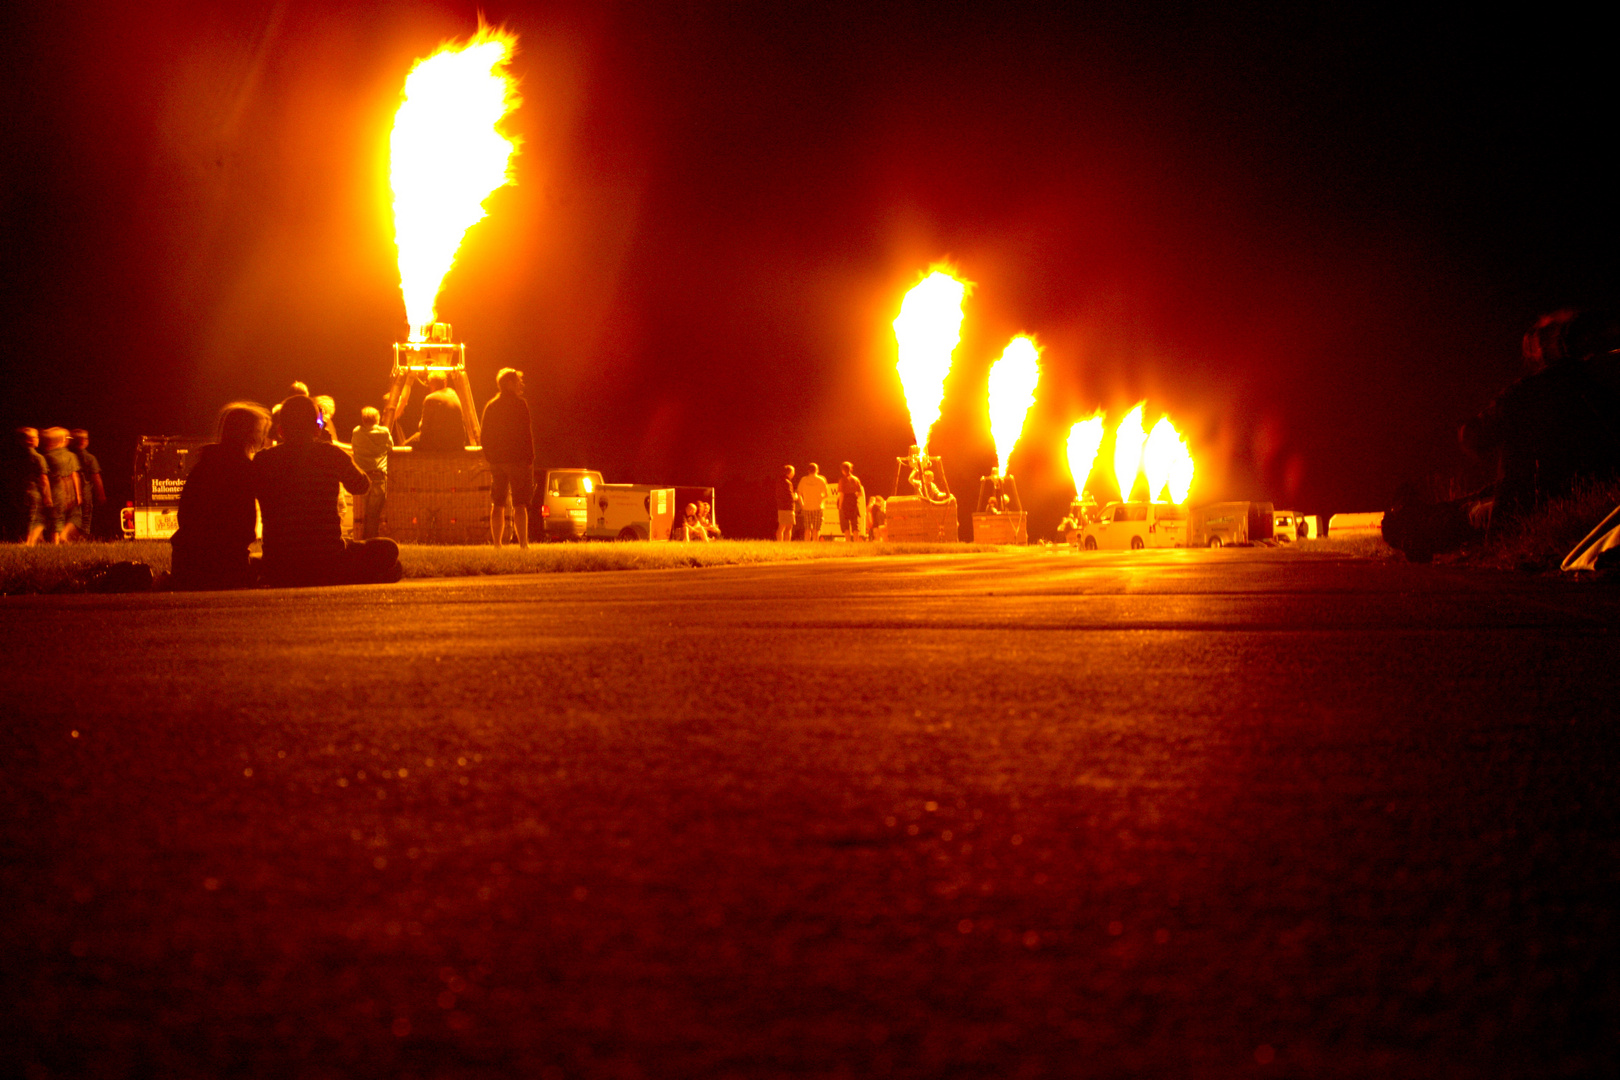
(1227, 523)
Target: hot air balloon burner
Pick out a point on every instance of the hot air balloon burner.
(415, 362)
(999, 516)
(922, 508)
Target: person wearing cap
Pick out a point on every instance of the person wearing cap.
(509, 449)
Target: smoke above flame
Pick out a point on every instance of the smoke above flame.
(447, 155)
(1128, 440)
(1085, 439)
(927, 330)
(1012, 394)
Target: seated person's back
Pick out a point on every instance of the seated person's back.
(296, 484)
(443, 426)
(218, 519)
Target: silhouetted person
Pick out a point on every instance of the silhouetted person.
(94, 492)
(509, 449)
(1561, 422)
(218, 515)
(851, 495)
(296, 483)
(442, 426)
(787, 504)
(27, 487)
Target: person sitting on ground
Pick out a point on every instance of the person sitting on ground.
(296, 484)
(65, 489)
(89, 483)
(218, 515)
(442, 426)
(706, 519)
(689, 527)
(1561, 422)
(369, 445)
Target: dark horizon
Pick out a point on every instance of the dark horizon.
(1313, 240)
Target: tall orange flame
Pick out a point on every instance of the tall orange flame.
(1085, 439)
(1128, 441)
(1013, 379)
(1167, 462)
(927, 330)
(447, 156)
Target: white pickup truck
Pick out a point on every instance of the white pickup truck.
(575, 504)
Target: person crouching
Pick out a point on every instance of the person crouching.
(296, 483)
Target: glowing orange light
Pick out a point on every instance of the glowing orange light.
(928, 329)
(1013, 379)
(1128, 440)
(447, 155)
(1167, 462)
(1085, 439)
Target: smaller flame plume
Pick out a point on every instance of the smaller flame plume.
(1013, 379)
(1128, 440)
(1085, 439)
(927, 330)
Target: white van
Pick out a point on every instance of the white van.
(1133, 526)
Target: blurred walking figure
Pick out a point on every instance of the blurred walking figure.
(296, 484)
(370, 444)
(63, 469)
(509, 448)
(27, 488)
(787, 503)
(442, 426)
(813, 494)
(218, 515)
(851, 497)
(93, 493)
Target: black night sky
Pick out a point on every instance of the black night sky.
(1313, 238)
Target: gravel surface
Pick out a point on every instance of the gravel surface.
(1038, 814)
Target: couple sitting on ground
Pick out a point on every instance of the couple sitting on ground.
(295, 485)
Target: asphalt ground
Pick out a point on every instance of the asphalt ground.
(1174, 814)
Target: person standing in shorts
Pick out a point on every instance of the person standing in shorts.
(851, 497)
(787, 501)
(813, 494)
(509, 449)
(89, 482)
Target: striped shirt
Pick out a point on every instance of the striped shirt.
(296, 484)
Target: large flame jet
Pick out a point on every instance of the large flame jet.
(1085, 439)
(1128, 440)
(1013, 379)
(447, 155)
(927, 330)
(1167, 462)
